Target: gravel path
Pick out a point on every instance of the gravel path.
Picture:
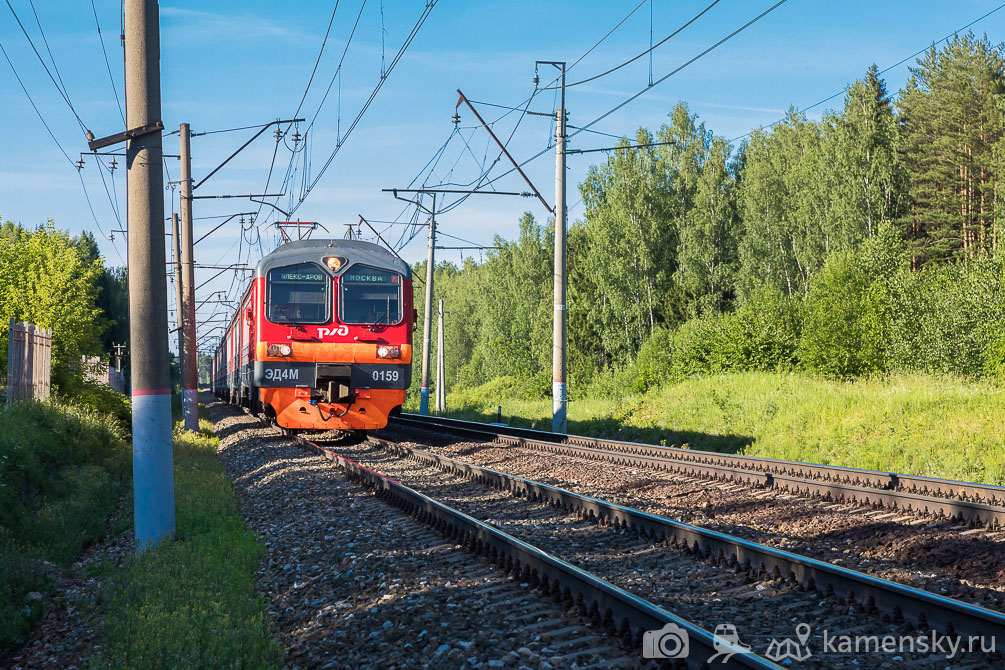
(934, 555)
(354, 583)
(695, 589)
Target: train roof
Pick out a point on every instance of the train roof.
(354, 251)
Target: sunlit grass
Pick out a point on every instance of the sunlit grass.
(917, 424)
(191, 602)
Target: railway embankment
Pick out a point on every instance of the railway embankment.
(352, 582)
(922, 424)
(74, 593)
(63, 469)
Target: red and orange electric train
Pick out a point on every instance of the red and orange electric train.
(323, 337)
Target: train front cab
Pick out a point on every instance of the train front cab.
(333, 351)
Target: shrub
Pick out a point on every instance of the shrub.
(945, 318)
(763, 334)
(845, 331)
(102, 399)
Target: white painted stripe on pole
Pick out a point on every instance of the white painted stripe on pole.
(153, 469)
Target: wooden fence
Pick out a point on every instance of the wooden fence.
(29, 361)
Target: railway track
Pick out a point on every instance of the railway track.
(641, 554)
(611, 609)
(871, 593)
(977, 504)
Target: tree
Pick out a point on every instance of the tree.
(45, 279)
(113, 301)
(951, 109)
(710, 233)
(782, 208)
(862, 165)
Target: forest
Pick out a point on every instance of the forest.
(864, 243)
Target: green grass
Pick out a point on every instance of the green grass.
(63, 467)
(191, 603)
(917, 424)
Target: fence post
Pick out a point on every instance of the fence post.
(10, 361)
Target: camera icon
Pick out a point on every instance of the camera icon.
(670, 641)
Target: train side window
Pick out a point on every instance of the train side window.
(370, 296)
(298, 294)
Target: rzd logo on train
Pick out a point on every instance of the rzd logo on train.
(341, 330)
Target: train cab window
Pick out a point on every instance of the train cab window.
(370, 296)
(298, 294)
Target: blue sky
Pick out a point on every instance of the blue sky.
(229, 64)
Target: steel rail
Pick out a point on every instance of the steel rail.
(971, 502)
(618, 611)
(925, 609)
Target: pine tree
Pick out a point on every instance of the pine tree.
(951, 111)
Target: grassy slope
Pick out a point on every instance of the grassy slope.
(191, 603)
(919, 424)
(62, 470)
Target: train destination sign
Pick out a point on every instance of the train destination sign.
(372, 277)
(301, 276)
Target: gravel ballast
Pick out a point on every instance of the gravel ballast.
(354, 583)
(709, 595)
(939, 556)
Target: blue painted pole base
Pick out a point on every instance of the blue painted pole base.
(558, 407)
(190, 408)
(153, 468)
(424, 401)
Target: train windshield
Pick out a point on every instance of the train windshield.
(298, 294)
(370, 296)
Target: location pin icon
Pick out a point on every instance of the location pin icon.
(803, 633)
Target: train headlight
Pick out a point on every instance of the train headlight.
(384, 351)
(334, 263)
(280, 350)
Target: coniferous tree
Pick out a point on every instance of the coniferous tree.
(951, 111)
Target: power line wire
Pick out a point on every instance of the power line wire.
(380, 83)
(635, 96)
(647, 51)
(883, 71)
(62, 93)
(316, 62)
(35, 107)
(108, 67)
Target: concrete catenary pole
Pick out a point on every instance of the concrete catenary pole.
(179, 311)
(558, 389)
(428, 314)
(190, 373)
(153, 467)
(441, 392)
